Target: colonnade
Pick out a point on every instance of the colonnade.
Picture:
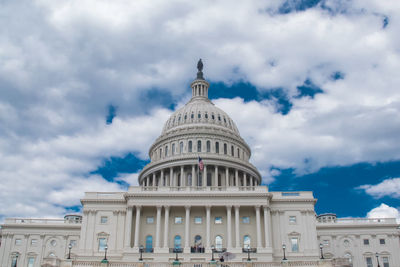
(189, 175)
(261, 241)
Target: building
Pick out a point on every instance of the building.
(199, 194)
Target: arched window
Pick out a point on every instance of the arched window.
(225, 149)
(219, 117)
(149, 243)
(199, 115)
(206, 115)
(173, 149)
(192, 116)
(166, 150)
(189, 178)
(181, 147)
(177, 241)
(238, 153)
(218, 242)
(197, 241)
(199, 146)
(190, 146)
(160, 152)
(185, 116)
(348, 256)
(208, 179)
(246, 241)
(232, 151)
(208, 146)
(216, 147)
(212, 116)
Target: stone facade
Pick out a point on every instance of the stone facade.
(189, 209)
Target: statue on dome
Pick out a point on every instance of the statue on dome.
(200, 70)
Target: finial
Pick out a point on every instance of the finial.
(200, 70)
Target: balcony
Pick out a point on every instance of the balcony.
(251, 250)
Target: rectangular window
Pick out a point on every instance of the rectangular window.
(218, 220)
(102, 244)
(31, 261)
(369, 262)
(246, 219)
(217, 147)
(33, 242)
(366, 242)
(385, 261)
(382, 241)
(198, 220)
(178, 220)
(150, 219)
(292, 219)
(103, 219)
(294, 241)
(18, 242)
(326, 243)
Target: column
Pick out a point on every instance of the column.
(216, 176)
(158, 226)
(258, 224)
(205, 176)
(166, 222)
(229, 226)
(267, 226)
(171, 177)
(183, 182)
(128, 227)
(208, 219)
(226, 177)
(137, 226)
(237, 177)
(187, 229)
(244, 179)
(194, 178)
(162, 181)
(237, 233)
(148, 180)
(154, 179)
(2, 248)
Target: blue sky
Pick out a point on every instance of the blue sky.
(85, 88)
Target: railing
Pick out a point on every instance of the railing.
(197, 250)
(40, 221)
(360, 221)
(251, 250)
(198, 188)
(175, 250)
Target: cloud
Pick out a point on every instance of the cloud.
(384, 211)
(389, 187)
(66, 63)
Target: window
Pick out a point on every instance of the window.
(18, 242)
(189, 177)
(197, 240)
(198, 220)
(103, 219)
(208, 179)
(149, 243)
(192, 116)
(177, 241)
(246, 219)
(181, 147)
(31, 261)
(326, 243)
(218, 220)
(199, 115)
(102, 243)
(212, 116)
(53, 243)
(366, 242)
(348, 256)
(208, 146)
(385, 261)
(294, 242)
(382, 241)
(150, 219)
(218, 242)
(246, 241)
(173, 149)
(219, 118)
(52, 255)
(190, 146)
(216, 147)
(206, 115)
(14, 261)
(225, 149)
(292, 219)
(33, 242)
(346, 243)
(73, 243)
(200, 179)
(369, 262)
(232, 151)
(178, 220)
(166, 150)
(160, 152)
(199, 146)
(185, 117)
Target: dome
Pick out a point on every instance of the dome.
(200, 112)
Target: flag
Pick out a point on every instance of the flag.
(201, 164)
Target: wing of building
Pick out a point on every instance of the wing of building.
(199, 198)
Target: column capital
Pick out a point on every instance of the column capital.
(129, 207)
(166, 207)
(237, 207)
(138, 207)
(187, 207)
(266, 208)
(159, 207)
(228, 207)
(257, 207)
(208, 207)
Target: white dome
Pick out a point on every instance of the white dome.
(200, 111)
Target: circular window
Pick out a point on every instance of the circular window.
(346, 243)
(53, 243)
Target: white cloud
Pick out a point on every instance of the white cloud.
(384, 211)
(65, 62)
(389, 187)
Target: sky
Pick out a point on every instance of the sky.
(86, 86)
